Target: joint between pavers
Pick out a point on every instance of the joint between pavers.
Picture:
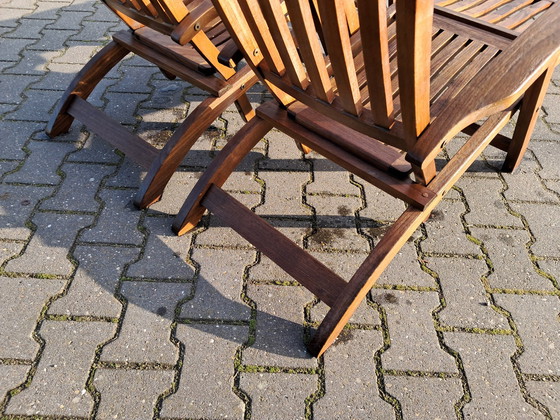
(10, 361)
(80, 318)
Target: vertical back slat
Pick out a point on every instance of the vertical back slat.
(174, 10)
(310, 48)
(351, 15)
(414, 35)
(337, 38)
(278, 26)
(375, 43)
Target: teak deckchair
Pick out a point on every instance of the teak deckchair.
(396, 86)
(185, 40)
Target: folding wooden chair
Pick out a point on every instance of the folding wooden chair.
(185, 40)
(396, 86)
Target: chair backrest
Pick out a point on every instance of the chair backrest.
(310, 50)
(161, 15)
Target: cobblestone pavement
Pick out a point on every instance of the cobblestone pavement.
(104, 313)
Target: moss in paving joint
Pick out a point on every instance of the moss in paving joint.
(403, 287)
(474, 330)
(275, 369)
(80, 318)
(526, 292)
(421, 374)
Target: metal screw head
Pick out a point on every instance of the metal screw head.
(256, 52)
(197, 26)
(425, 194)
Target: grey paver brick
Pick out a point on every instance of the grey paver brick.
(122, 106)
(446, 233)
(487, 208)
(466, 303)
(41, 165)
(130, 393)
(219, 285)
(544, 222)
(205, 390)
(380, 206)
(493, 387)
(69, 20)
(134, 80)
(32, 63)
(94, 150)
(47, 9)
(286, 199)
(351, 386)
(11, 49)
(64, 366)
(8, 250)
(538, 325)
(414, 344)
(331, 179)
(279, 333)
(552, 268)
(77, 192)
(525, 185)
(405, 270)
(547, 154)
(51, 40)
(278, 396)
(11, 376)
(28, 28)
(77, 53)
(282, 153)
(18, 133)
(164, 256)
(36, 106)
(144, 337)
(513, 268)
(128, 175)
(95, 281)
(47, 252)
(117, 222)
(10, 15)
(548, 394)
(22, 300)
(17, 204)
(93, 30)
(425, 397)
(13, 87)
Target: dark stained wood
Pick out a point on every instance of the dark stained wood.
(307, 270)
(199, 31)
(432, 79)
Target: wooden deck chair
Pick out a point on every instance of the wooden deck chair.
(383, 104)
(185, 40)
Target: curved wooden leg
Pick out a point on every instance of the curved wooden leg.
(172, 154)
(528, 115)
(363, 280)
(219, 171)
(83, 84)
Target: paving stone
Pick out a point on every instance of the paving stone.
(64, 366)
(47, 252)
(446, 233)
(33, 63)
(536, 318)
(77, 52)
(94, 150)
(546, 153)
(553, 185)
(36, 107)
(17, 203)
(165, 254)
(487, 208)
(93, 30)
(551, 108)
(11, 376)
(95, 281)
(279, 330)
(14, 87)
(78, 189)
(134, 80)
(525, 184)
(364, 315)
(405, 270)
(343, 264)
(128, 175)
(11, 49)
(278, 395)
(425, 397)
(123, 106)
(8, 250)
(206, 386)
(552, 268)
(351, 383)
(10, 16)
(103, 14)
(130, 393)
(329, 179)
(118, 221)
(175, 193)
(18, 133)
(28, 28)
(58, 76)
(380, 206)
(144, 337)
(282, 153)
(48, 9)
(414, 343)
(513, 268)
(22, 300)
(547, 393)
(286, 200)
(493, 386)
(543, 220)
(41, 165)
(466, 303)
(219, 285)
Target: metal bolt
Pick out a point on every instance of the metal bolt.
(197, 26)
(256, 52)
(425, 194)
(242, 86)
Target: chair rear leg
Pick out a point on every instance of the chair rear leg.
(182, 140)
(363, 280)
(218, 172)
(526, 121)
(83, 84)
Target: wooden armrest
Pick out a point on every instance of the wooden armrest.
(497, 87)
(199, 16)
